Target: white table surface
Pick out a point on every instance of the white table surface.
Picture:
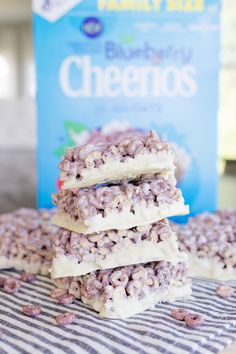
(230, 350)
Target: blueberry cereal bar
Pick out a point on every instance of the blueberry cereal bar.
(210, 241)
(26, 237)
(120, 206)
(125, 159)
(77, 254)
(114, 131)
(126, 291)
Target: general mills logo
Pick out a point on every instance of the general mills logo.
(52, 10)
(92, 27)
(49, 4)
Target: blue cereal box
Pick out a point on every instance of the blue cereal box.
(110, 65)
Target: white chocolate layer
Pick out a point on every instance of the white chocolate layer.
(124, 307)
(209, 268)
(143, 252)
(114, 170)
(19, 264)
(143, 215)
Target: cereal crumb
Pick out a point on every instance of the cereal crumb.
(11, 285)
(28, 277)
(57, 293)
(224, 291)
(65, 318)
(179, 314)
(66, 299)
(31, 310)
(194, 320)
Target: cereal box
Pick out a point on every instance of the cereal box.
(112, 65)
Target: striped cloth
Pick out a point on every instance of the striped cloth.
(153, 331)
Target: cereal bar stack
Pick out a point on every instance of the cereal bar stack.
(115, 249)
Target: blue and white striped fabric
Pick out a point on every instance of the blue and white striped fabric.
(153, 331)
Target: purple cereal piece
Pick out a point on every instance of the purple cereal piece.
(2, 281)
(179, 314)
(66, 299)
(28, 277)
(194, 320)
(224, 291)
(11, 285)
(31, 310)
(119, 278)
(65, 318)
(57, 293)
